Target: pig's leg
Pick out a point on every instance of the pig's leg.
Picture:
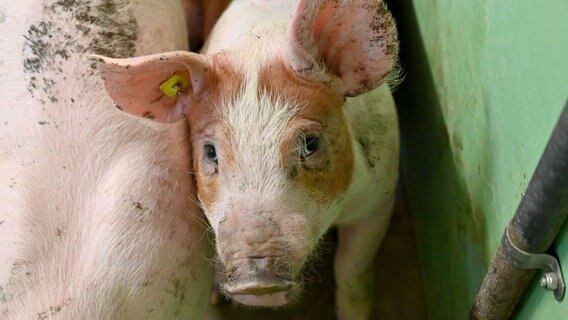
(354, 275)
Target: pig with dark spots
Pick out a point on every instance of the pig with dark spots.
(293, 131)
(98, 217)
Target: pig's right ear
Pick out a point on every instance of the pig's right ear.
(157, 87)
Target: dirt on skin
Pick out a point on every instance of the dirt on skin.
(50, 42)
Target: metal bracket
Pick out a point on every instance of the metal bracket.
(552, 279)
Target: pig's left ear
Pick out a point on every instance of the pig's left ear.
(355, 40)
(157, 87)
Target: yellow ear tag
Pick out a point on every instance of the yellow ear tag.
(174, 85)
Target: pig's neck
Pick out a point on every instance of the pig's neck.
(251, 26)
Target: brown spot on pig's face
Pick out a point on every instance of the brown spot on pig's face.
(204, 119)
(317, 145)
(325, 159)
(273, 160)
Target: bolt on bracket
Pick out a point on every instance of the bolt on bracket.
(552, 279)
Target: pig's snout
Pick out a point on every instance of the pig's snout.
(258, 277)
(258, 232)
(248, 229)
(260, 281)
(256, 259)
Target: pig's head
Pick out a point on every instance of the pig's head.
(272, 151)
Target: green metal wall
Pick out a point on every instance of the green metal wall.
(485, 83)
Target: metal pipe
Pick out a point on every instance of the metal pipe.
(536, 223)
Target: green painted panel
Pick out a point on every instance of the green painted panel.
(486, 81)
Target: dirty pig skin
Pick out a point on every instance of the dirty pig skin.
(97, 213)
(293, 130)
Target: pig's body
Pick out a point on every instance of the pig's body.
(97, 211)
(289, 138)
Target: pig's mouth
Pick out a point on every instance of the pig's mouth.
(257, 282)
(260, 292)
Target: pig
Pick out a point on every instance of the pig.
(293, 130)
(98, 213)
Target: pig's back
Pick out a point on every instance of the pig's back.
(97, 217)
(245, 23)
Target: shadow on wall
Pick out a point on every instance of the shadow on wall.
(449, 223)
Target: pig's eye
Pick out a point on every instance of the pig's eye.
(210, 152)
(310, 146)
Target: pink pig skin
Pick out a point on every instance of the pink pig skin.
(293, 131)
(98, 218)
